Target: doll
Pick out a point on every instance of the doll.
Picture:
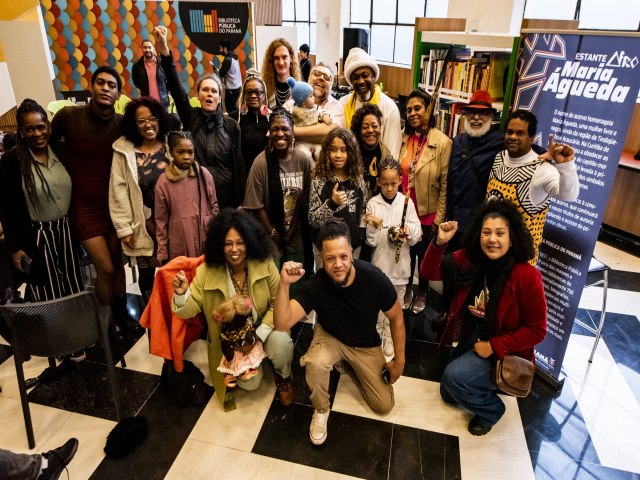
(241, 347)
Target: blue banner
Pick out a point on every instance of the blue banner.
(582, 89)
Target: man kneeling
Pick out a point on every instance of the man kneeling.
(347, 296)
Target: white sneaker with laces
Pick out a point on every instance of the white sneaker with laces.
(318, 428)
(387, 344)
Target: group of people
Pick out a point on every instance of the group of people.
(367, 207)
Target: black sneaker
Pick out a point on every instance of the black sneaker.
(476, 428)
(59, 459)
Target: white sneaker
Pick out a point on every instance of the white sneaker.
(318, 428)
(387, 345)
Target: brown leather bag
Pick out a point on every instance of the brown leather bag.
(513, 375)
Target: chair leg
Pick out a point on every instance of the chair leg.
(24, 399)
(112, 376)
(602, 315)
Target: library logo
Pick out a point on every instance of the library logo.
(207, 23)
(550, 362)
(203, 23)
(621, 60)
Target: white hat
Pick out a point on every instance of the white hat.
(356, 59)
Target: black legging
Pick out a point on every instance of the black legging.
(417, 253)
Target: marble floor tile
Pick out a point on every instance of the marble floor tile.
(237, 429)
(139, 359)
(8, 379)
(418, 404)
(198, 460)
(611, 411)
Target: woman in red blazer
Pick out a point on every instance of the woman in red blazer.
(497, 306)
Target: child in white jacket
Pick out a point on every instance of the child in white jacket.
(390, 240)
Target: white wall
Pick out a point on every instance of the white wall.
(331, 17)
(27, 56)
(503, 16)
(7, 98)
(265, 35)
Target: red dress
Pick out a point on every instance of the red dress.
(85, 140)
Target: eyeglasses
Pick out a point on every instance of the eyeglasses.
(471, 112)
(143, 121)
(252, 92)
(318, 73)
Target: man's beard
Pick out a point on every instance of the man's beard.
(477, 132)
(344, 282)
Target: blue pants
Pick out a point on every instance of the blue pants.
(467, 382)
(19, 466)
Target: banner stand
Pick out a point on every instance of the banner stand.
(550, 380)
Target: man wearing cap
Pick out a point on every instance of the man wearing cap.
(230, 75)
(361, 72)
(305, 63)
(472, 155)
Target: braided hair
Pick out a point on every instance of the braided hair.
(25, 158)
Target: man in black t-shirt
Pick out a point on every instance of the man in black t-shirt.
(347, 296)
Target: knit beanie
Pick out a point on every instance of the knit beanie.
(299, 91)
(356, 59)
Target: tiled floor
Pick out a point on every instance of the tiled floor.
(589, 431)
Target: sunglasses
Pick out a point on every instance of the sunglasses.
(318, 73)
(144, 121)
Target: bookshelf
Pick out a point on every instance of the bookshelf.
(481, 61)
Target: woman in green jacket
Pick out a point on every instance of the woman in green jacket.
(238, 260)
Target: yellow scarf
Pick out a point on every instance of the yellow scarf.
(350, 106)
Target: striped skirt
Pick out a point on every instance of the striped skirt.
(61, 274)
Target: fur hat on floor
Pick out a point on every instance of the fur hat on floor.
(126, 436)
(356, 59)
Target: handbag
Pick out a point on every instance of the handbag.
(514, 375)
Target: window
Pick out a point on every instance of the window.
(302, 15)
(592, 14)
(390, 25)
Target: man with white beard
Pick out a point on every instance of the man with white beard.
(472, 156)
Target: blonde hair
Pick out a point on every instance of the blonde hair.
(268, 72)
(236, 305)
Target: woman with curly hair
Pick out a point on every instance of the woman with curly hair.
(497, 307)
(238, 261)
(280, 62)
(35, 193)
(366, 125)
(337, 186)
(139, 159)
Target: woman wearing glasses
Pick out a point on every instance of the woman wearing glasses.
(138, 161)
(253, 117)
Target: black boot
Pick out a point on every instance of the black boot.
(123, 320)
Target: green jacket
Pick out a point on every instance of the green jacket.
(210, 287)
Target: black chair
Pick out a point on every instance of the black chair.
(57, 328)
(595, 266)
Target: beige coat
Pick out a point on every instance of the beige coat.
(210, 287)
(127, 210)
(431, 174)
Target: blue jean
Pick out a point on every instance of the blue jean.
(467, 382)
(19, 466)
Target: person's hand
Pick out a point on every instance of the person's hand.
(180, 283)
(483, 349)
(446, 231)
(129, 241)
(291, 272)
(161, 40)
(403, 233)
(370, 218)
(17, 257)
(558, 152)
(327, 120)
(395, 369)
(339, 197)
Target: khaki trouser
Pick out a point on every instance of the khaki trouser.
(366, 365)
